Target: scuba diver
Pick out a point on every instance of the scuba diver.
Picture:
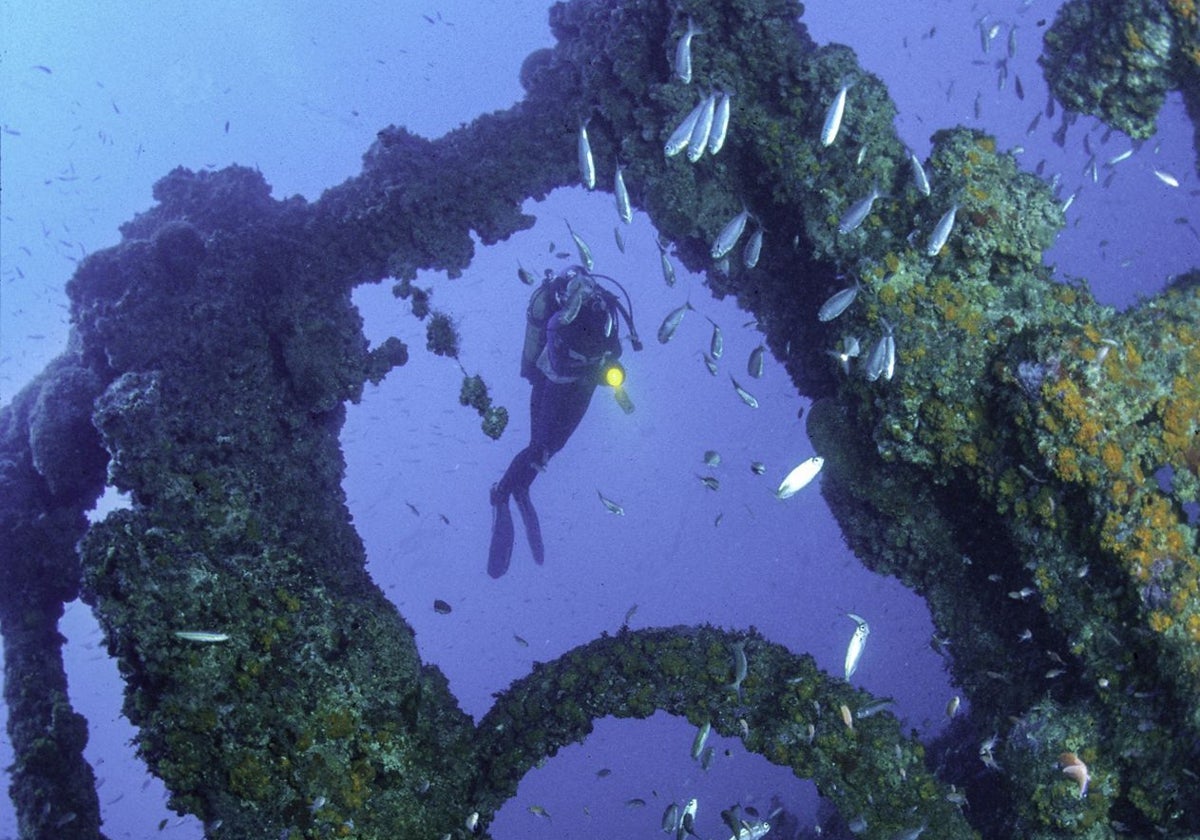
(572, 343)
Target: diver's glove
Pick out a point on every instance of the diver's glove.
(500, 550)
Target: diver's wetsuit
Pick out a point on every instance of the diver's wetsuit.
(563, 362)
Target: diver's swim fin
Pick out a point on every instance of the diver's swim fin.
(533, 528)
(500, 550)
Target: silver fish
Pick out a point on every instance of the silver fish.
(620, 237)
(753, 249)
(746, 396)
(937, 239)
(729, 235)
(611, 506)
(679, 138)
(587, 167)
(203, 636)
(919, 177)
(857, 642)
(755, 365)
(799, 478)
(701, 738)
(838, 303)
(668, 270)
(858, 212)
(702, 129)
(585, 253)
(683, 53)
(712, 458)
(710, 363)
(716, 138)
(624, 208)
(717, 345)
(670, 818)
(833, 117)
(752, 831)
(741, 667)
(525, 275)
(882, 361)
(671, 323)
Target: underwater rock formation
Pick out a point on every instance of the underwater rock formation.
(1030, 462)
(1117, 59)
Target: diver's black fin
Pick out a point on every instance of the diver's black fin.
(500, 550)
(533, 528)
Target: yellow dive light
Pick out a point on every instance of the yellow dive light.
(614, 376)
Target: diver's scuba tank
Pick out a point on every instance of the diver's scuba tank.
(613, 375)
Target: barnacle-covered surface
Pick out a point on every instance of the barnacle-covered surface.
(1117, 59)
(784, 709)
(1031, 465)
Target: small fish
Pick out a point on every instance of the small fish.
(682, 134)
(882, 361)
(1166, 177)
(525, 276)
(445, 519)
(799, 477)
(729, 235)
(587, 166)
(758, 467)
(717, 345)
(712, 458)
(858, 212)
(741, 667)
(611, 506)
(603, 773)
(746, 396)
(683, 53)
(753, 249)
(710, 363)
(754, 366)
(941, 232)
(539, 811)
(413, 508)
(720, 127)
(847, 717)
(472, 821)
(702, 129)
(636, 802)
(919, 177)
(952, 706)
(752, 831)
(671, 323)
(706, 758)
(520, 640)
(701, 739)
(629, 613)
(668, 270)
(620, 238)
(857, 642)
(441, 607)
(1125, 155)
(838, 303)
(671, 818)
(833, 117)
(204, 636)
(711, 482)
(585, 253)
(624, 208)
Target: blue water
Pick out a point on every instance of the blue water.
(299, 92)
